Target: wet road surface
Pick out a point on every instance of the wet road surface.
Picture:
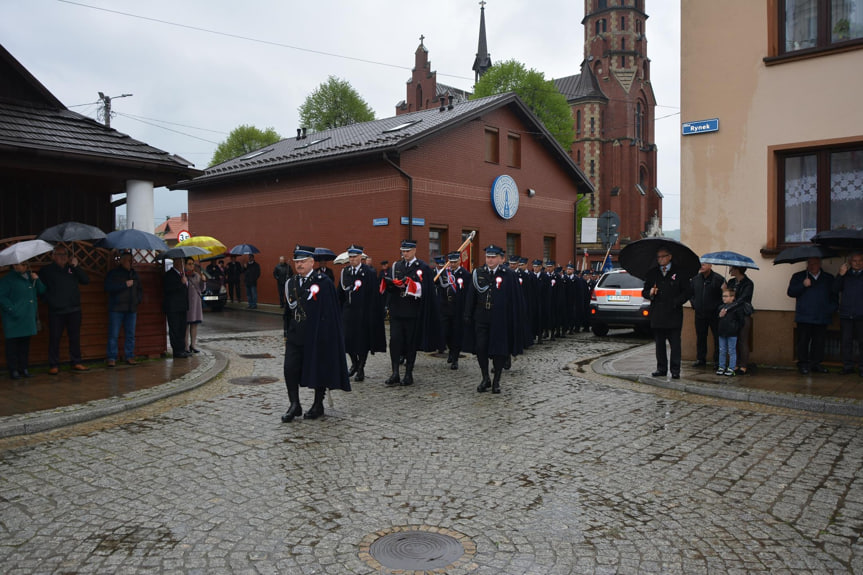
(564, 472)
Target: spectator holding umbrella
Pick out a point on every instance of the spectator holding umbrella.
(816, 302)
(62, 278)
(743, 290)
(848, 285)
(706, 300)
(252, 273)
(124, 295)
(19, 291)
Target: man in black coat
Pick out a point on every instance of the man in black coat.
(62, 278)
(233, 275)
(452, 287)
(175, 304)
(363, 320)
(706, 300)
(667, 290)
(282, 272)
(414, 318)
(849, 286)
(813, 312)
(252, 273)
(314, 341)
(494, 316)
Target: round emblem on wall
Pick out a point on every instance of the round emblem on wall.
(504, 196)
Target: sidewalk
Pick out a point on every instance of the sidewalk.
(822, 393)
(46, 402)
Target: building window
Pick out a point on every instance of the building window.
(820, 190)
(623, 22)
(639, 122)
(592, 125)
(812, 25)
(513, 244)
(548, 248)
(592, 168)
(492, 146)
(419, 97)
(578, 157)
(513, 150)
(601, 4)
(578, 122)
(437, 242)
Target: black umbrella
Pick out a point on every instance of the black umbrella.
(639, 257)
(802, 253)
(182, 252)
(244, 250)
(133, 240)
(71, 232)
(324, 255)
(842, 239)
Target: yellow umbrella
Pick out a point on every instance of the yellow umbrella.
(213, 246)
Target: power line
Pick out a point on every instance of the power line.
(168, 129)
(134, 117)
(249, 39)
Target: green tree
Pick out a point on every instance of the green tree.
(334, 104)
(540, 95)
(241, 141)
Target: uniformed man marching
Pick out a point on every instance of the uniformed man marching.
(494, 315)
(414, 321)
(314, 343)
(362, 312)
(452, 287)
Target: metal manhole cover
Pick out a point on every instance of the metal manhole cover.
(417, 548)
(256, 356)
(253, 380)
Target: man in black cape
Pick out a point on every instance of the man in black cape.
(413, 309)
(314, 343)
(362, 315)
(494, 316)
(452, 288)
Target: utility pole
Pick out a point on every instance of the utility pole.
(105, 112)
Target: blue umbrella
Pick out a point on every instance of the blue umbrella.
(244, 250)
(727, 258)
(133, 240)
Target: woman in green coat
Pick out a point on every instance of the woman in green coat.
(19, 296)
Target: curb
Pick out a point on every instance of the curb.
(815, 404)
(30, 423)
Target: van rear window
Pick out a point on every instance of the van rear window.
(621, 281)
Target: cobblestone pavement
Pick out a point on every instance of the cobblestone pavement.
(564, 472)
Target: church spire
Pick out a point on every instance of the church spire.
(483, 58)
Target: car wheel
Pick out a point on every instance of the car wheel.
(599, 329)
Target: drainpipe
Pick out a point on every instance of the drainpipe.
(575, 231)
(410, 195)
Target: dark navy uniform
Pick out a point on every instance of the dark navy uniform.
(362, 315)
(452, 287)
(494, 314)
(314, 343)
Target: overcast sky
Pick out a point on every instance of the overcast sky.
(197, 69)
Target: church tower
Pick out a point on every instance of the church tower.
(482, 62)
(613, 107)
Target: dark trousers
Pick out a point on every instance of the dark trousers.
(810, 344)
(482, 331)
(743, 339)
(18, 353)
(293, 370)
(450, 326)
(672, 336)
(235, 291)
(177, 330)
(702, 324)
(280, 287)
(57, 322)
(403, 342)
(851, 329)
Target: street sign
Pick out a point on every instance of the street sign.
(381, 222)
(416, 221)
(608, 228)
(701, 127)
(183, 235)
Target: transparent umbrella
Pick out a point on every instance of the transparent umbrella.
(23, 251)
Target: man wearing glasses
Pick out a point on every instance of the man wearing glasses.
(667, 291)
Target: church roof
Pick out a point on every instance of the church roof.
(580, 86)
(458, 94)
(375, 138)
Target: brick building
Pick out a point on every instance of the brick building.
(434, 176)
(612, 105)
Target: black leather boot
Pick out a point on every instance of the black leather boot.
(507, 363)
(295, 410)
(485, 383)
(361, 373)
(495, 385)
(393, 379)
(454, 364)
(409, 377)
(317, 409)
